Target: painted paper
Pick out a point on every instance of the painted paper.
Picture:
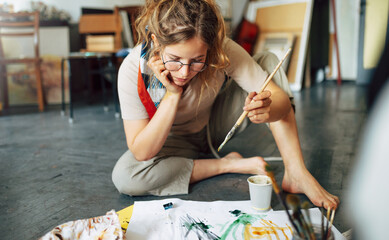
(210, 220)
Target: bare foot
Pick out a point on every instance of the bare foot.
(237, 164)
(305, 183)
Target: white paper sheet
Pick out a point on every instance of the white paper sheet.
(210, 220)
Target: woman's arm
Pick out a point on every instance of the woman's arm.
(145, 137)
(269, 106)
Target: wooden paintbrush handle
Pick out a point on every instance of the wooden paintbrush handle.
(275, 70)
(241, 118)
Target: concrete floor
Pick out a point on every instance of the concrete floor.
(53, 172)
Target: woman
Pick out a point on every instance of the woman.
(167, 104)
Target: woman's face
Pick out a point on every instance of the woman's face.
(192, 50)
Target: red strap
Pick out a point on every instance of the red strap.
(145, 96)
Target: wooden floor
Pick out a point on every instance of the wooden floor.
(53, 172)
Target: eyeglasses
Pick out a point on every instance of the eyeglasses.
(172, 65)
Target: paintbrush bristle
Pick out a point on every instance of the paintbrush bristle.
(274, 182)
(305, 205)
(293, 201)
(220, 147)
(227, 138)
(268, 168)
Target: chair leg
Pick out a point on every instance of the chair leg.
(88, 80)
(39, 86)
(70, 92)
(114, 89)
(4, 86)
(2, 91)
(63, 87)
(102, 82)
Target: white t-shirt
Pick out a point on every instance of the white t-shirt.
(192, 115)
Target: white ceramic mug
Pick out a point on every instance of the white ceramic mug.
(260, 187)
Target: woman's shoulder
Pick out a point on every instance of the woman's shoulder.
(130, 64)
(236, 54)
(227, 41)
(230, 44)
(233, 49)
(243, 68)
(133, 56)
(128, 71)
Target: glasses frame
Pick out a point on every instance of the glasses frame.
(182, 64)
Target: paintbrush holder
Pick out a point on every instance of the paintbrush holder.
(318, 234)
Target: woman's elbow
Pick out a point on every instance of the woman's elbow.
(140, 152)
(141, 155)
(141, 158)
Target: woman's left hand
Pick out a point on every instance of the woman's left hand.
(258, 106)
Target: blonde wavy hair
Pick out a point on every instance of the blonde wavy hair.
(176, 21)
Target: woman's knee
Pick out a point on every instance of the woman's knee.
(268, 62)
(132, 188)
(266, 59)
(126, 183)
(126, 179)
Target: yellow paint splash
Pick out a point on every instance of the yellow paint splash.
(267, 231)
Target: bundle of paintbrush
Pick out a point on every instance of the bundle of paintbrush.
(303, 222)
(326, 230)
(300, 217)
(278, 191)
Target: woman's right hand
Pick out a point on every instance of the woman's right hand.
(163, 75)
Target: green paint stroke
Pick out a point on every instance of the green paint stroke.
(199, 225)
(236, 212)
(199, 228)
(242, 220)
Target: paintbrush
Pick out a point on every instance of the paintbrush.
(305, 206)
(331, 221)
(277, 190)
(294, 203)
(244, 114)
(327, 222)
(322, 221)
(328, 231)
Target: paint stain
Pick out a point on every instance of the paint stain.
(240, 228)
(242, 220)
(267, 231)
(198, 227)
(236, 212)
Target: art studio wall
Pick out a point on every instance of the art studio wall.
(347, 20)
(73, 7)
(58, 41)
(233, 8)
(373, 33)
